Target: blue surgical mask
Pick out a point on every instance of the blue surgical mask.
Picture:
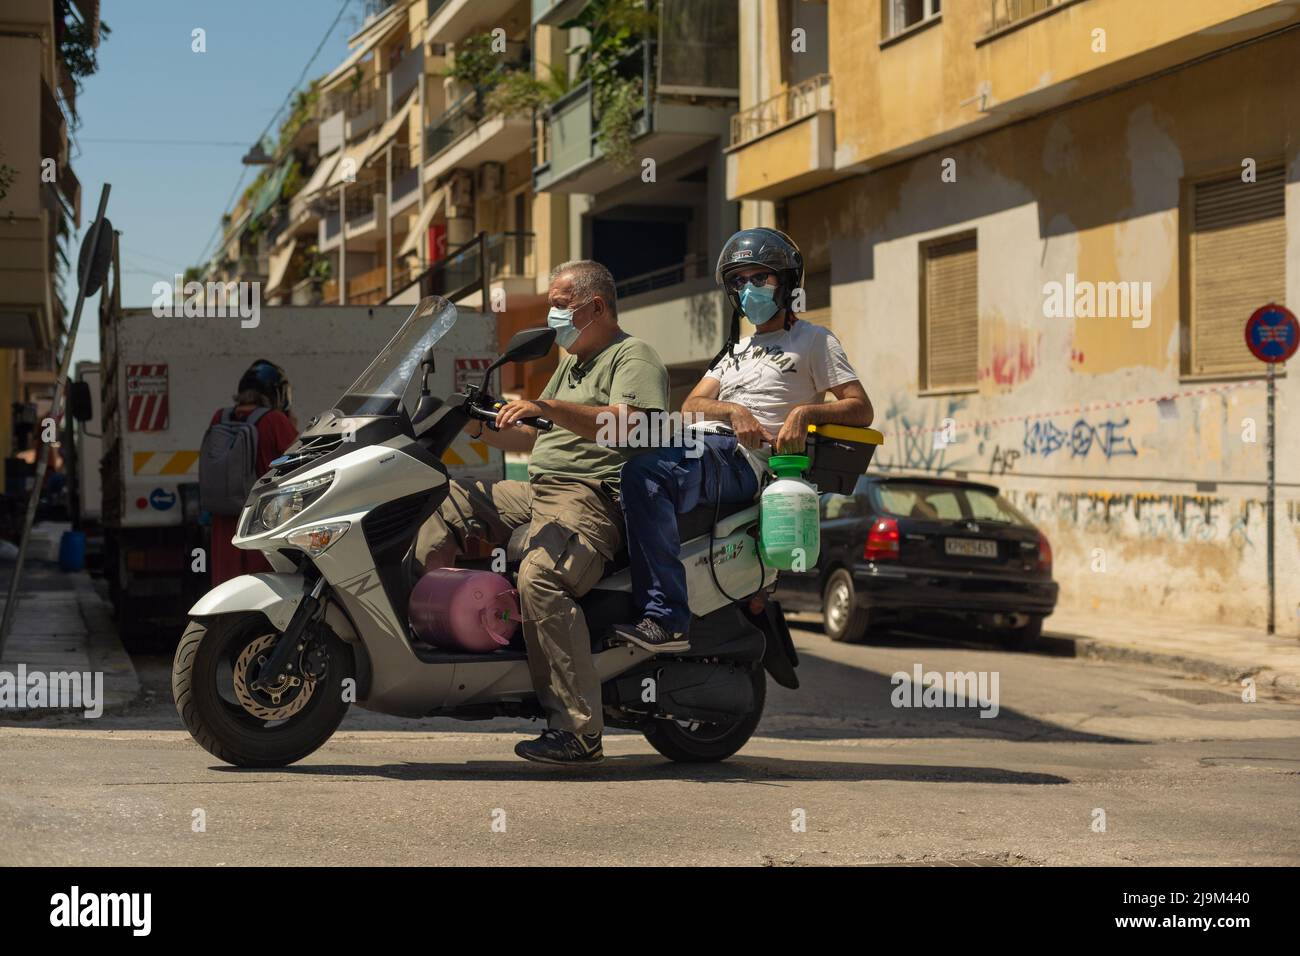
(758, 302)
(566, 333)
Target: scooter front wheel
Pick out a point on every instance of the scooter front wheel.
(236, 720)
(688, 742)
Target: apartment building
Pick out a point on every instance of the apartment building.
(1039, 227)
(40, 199)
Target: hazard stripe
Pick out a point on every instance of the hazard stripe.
(458, 454)
(164, 462)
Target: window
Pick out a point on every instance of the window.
(949, 313)
(841, 506)
(919, 500)
(990, 507)
(897, 16)
(1236, 244)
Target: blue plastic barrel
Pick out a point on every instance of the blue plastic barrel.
(72, 551)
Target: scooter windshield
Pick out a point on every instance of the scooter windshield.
(381, 386)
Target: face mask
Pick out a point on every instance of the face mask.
(758, 302)
(566, 333)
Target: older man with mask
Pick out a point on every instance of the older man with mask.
(570, 502)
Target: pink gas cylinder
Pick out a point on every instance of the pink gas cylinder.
(460, 609)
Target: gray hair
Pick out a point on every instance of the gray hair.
(590, 278)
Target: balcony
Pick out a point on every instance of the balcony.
(455, 19)
(1005, 13)
(1031, 60)
(464, 136)
(406, 181)
(369, 288)
(554, 12)
(499, 260)
(784, 145)
(569, 156)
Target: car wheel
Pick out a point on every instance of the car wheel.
(843, 617)
(1027, 636)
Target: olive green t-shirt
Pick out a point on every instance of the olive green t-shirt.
(625, 372)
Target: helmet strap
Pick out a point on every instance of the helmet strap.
(733, 339)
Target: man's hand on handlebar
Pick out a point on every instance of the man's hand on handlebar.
(522, 412)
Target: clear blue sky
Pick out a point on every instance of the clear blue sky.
(167, 197)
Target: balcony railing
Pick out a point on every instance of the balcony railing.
(368, 288)
(461, 119)
(692, 267)
(789, 106)
(473, 266)
(1004, 13)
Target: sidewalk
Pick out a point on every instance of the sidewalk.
(1219, 652)
(62, 624)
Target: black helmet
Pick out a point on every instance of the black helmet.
(766, 247)
(268, 379)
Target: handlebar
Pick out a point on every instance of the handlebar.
(489, 416)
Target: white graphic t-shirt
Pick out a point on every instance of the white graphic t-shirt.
(772, 372)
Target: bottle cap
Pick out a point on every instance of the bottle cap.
(788, 466)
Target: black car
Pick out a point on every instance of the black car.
(905, 548)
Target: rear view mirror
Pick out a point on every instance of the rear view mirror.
(80, 404)
(527, 345)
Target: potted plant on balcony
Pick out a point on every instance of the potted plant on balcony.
(616, 27)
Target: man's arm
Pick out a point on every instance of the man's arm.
(586, 421)
(517, 438)
(850, 407)
(703, 400)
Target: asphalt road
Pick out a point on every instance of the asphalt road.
(1184, 772)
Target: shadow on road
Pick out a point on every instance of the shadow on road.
(759, 770)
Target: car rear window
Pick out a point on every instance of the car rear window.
(919, 501)
(945, 503)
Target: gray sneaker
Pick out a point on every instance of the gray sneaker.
(648, 633)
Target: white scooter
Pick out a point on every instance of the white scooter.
(269, 663)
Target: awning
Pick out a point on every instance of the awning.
(321, 174)
(379, 31)
(270, 191)
(280, 265)
(431, 207)
(351, 159)
(386, 132)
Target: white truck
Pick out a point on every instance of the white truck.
(162, 378)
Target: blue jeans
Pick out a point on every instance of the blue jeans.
(659, 485)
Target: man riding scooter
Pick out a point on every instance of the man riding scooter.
(767, 388)
(570, 502)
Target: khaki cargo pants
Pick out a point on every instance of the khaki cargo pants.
(574, 527)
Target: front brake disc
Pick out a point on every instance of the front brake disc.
(279, 700)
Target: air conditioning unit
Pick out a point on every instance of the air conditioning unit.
(461, 188)
(491, 180)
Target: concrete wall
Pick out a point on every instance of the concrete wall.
(1140, 476)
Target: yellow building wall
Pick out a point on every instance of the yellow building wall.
(1088, 422)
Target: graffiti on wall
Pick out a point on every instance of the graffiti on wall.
(1108, 438)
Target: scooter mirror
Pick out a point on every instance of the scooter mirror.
(527, 345)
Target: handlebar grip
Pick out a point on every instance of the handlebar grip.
(541, 424)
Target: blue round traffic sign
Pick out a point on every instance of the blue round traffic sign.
(1272, 333)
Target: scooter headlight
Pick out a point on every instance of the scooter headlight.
(274, 510)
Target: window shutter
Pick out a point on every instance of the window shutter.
(1238, 252)
(951, 314)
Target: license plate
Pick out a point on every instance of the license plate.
(971, 547)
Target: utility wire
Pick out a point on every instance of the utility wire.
(203, 256)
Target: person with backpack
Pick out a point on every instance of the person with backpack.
(241, 442)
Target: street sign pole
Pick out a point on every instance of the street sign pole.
(1272, 476)
(91, 264)
(1272, 336)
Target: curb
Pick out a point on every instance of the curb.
(121, 683)
(1280, 683)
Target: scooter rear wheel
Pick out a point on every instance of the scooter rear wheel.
(212, 675)
(709, 743)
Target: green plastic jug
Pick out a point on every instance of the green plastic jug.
(789, 530)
